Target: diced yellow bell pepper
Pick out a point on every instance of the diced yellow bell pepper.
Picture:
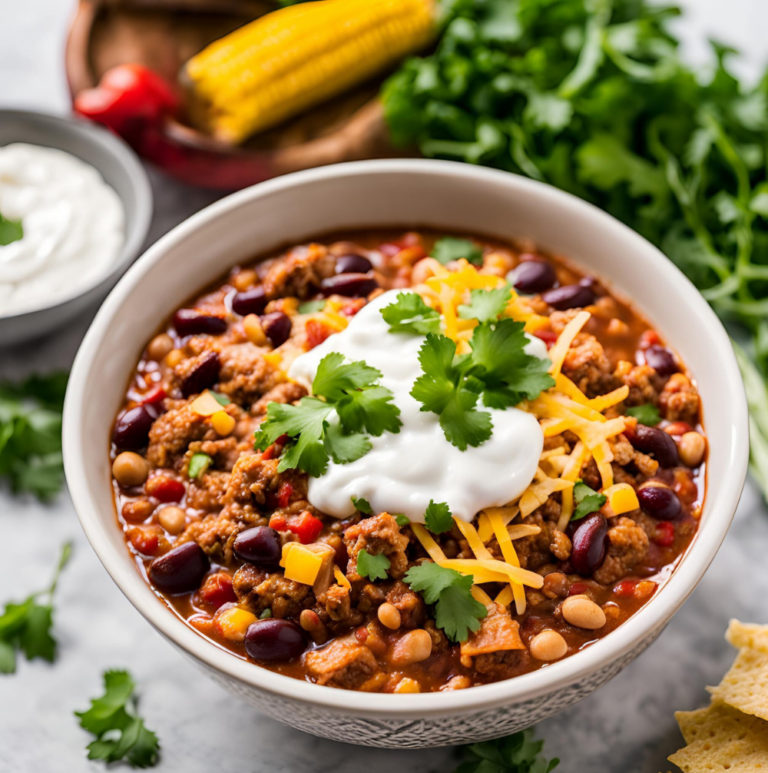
(205, 405)
(232, 623)
(407, 685)
(621, 498)
(309, 564)
(223, 423)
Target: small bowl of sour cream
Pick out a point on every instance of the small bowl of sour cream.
(75, 209)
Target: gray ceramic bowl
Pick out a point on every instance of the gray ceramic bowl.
(120, 168)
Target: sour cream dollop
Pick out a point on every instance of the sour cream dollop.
(73, 225)
(404, 471)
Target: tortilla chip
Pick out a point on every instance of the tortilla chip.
(498, 631)
(721, 738)
(745, 686)
(747, 635)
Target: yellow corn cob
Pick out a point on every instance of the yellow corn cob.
(297, 57)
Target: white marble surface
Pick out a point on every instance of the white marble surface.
(627, 727)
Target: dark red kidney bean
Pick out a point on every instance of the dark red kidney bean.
(661, 360)
(204, 375)
(349, 285)
(180, 570)
(588, 540)
(132, 429)
(277, 327)
(656, 443)
(189, 322)
(353, 264)
(259, 545)
(249, 302)
(273, 640)
(532, 276)
(569, 297)
(660, 502)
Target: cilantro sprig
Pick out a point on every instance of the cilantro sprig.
(372, 566)
(438, 517)
(363, 505)
(498, 369)
(457, 612)
(410, 314)
(449, 248)
(334, 424)
(517, 753)
(587, 500)
(486, 305)
(26, 626)
(10, 231)
(30, 434)
(647, 414)
(120, 732)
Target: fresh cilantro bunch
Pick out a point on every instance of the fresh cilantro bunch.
(591, 96)
(120, 732)
(498, 369)
(457, 612)
(335, 426)
(30, 434)
(517, 753)
(27, 626)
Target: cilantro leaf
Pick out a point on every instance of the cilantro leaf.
(647, 414)
(309, 307)
(363, 505)
(449, 248)
(486, 305)
(444, 389)
(457, 612)
(342, 448)
(509, 374)
(402, 520)
(410, 314)
(517, 753)
(27, 626)
(198, 464)
(372, 566)
(438, 517)
(587, 500)
(371, 410)
(120, 732)
(334, 377)
(220, 398)
(10, 231)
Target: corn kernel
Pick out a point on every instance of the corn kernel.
(222, 422)
(254, 330)
(205, 405)
(232, 623)
(621, 498)
(407, 685)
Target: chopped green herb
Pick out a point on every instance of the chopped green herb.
(120, 732)
(363, 505)
(517, 753)
(448, 249)
(372, 566)
(267, 613)
(199, 464)
(220, 398)
(457, 612)
(587, 500)
(486, 305)
(30, 434)
(26, 626)
(647, 414)
(10, 231)
(438, 518)
(310, 307)
(349, 390)
(410, 314)
(402, 520)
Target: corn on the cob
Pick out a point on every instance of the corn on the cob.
(297, 57)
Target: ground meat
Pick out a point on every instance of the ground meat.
(679, 400)
(559, 544)
(641, 380)
(627, 546)
(379, 535)
(224, 452)
(343, 663)
(533, 551)
(245, 375)
(288, 392)
(410, 605)
(338, 604)
(587, 366)
(495, 666)
(255, 481)
(215, 535)
(257, 590)
(207, 492)
(625, 454)
(172, 433)
(591, 475)
(300, 273)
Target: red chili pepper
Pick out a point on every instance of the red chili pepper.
(268, 453)
(317, 332)
(278, 522)
(548, 336)
(307, 528)
(165, 489)
(284, 495)
(217, 590)
(126, 94)
(664, 534)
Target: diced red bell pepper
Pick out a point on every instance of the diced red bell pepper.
(284, 494)
(278, 522)
(649, 338)
(317, 332)
(624, 588)
(154, 396)
(548, 336)
(307, 527)
(165, 488)
(217, 590)
(578, 588)
(664, 534)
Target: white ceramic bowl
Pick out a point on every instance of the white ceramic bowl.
(408, 194)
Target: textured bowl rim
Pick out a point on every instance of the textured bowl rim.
(134, 171)
(651, 617)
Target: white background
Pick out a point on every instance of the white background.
(627, 727)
